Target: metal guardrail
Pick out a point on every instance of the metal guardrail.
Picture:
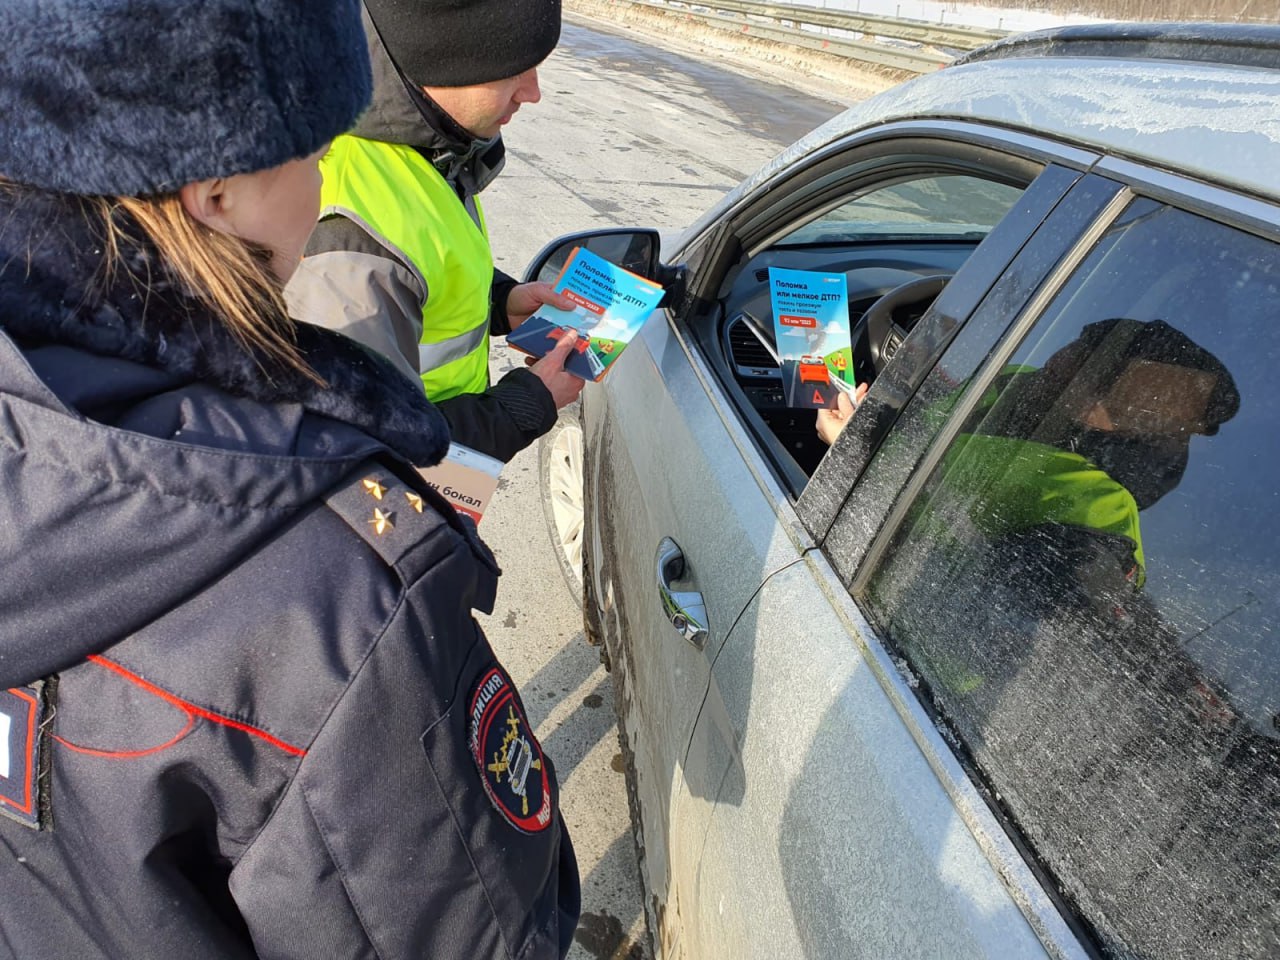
(765, 20)
(930, 34)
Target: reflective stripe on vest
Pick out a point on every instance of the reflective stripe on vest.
(369, 181)
(432, 356)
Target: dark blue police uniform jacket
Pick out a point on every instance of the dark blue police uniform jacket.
(246, 709)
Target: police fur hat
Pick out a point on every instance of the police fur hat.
(136, 97)
(457, 43)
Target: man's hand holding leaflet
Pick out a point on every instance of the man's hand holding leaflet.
(608, 306)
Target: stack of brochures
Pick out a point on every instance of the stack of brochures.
(611, 305)
(466, 478)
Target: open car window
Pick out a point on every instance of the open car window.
(898, 232)
(951, 206)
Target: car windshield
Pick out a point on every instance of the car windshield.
(950, 207)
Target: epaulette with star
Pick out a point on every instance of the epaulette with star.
(387, 514)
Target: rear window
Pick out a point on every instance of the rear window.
(1087, 588)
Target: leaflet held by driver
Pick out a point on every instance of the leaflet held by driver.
(811, 333)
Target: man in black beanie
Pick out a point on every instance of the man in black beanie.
(400, 259)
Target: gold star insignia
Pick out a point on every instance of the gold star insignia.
(382, 521)
(374, 487)
(415, 501)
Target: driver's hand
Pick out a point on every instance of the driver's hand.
(831, 422)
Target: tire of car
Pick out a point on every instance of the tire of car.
(560, 481)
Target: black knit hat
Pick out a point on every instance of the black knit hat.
(456, 43)
(134, 97)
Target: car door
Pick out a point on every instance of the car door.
(677, 510)
(841, 825)
(674, 465)
(1108, 671)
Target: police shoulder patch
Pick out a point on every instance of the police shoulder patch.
(23, 756)
(507, 755)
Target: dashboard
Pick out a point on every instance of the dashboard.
(871, 271)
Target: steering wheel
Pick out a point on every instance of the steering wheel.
(884, 334)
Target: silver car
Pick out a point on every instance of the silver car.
(996, 674)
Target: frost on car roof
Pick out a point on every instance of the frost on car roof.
(1236, 44)
(1214, 122)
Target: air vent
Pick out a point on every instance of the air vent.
(747, 351)
(762, 276)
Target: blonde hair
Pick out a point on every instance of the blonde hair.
(229, 276)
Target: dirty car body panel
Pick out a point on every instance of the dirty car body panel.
(834, 766)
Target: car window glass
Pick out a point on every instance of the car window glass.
(928, 250)
(975, 309)
(1086, 588)
(939, 206)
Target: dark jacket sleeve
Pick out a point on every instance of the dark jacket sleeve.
(499, 322)
(503, 420)
(394, 840)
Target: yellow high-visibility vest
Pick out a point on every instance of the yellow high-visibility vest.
(402, 200)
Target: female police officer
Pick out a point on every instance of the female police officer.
(246, 710)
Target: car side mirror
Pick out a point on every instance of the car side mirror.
(634, 250)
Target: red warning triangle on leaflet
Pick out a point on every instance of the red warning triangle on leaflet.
(818, 398)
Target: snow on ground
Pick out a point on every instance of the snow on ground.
(955, 14)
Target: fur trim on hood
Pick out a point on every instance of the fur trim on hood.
(48, 294)
(144, 452)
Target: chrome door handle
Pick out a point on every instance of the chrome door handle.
(684, 608)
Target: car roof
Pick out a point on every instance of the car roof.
(1198, 99)
(1223, 43)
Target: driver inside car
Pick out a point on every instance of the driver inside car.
(1099, 433)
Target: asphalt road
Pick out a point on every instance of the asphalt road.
(626, 135)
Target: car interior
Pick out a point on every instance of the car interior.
(897, 239)
(914, 273)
